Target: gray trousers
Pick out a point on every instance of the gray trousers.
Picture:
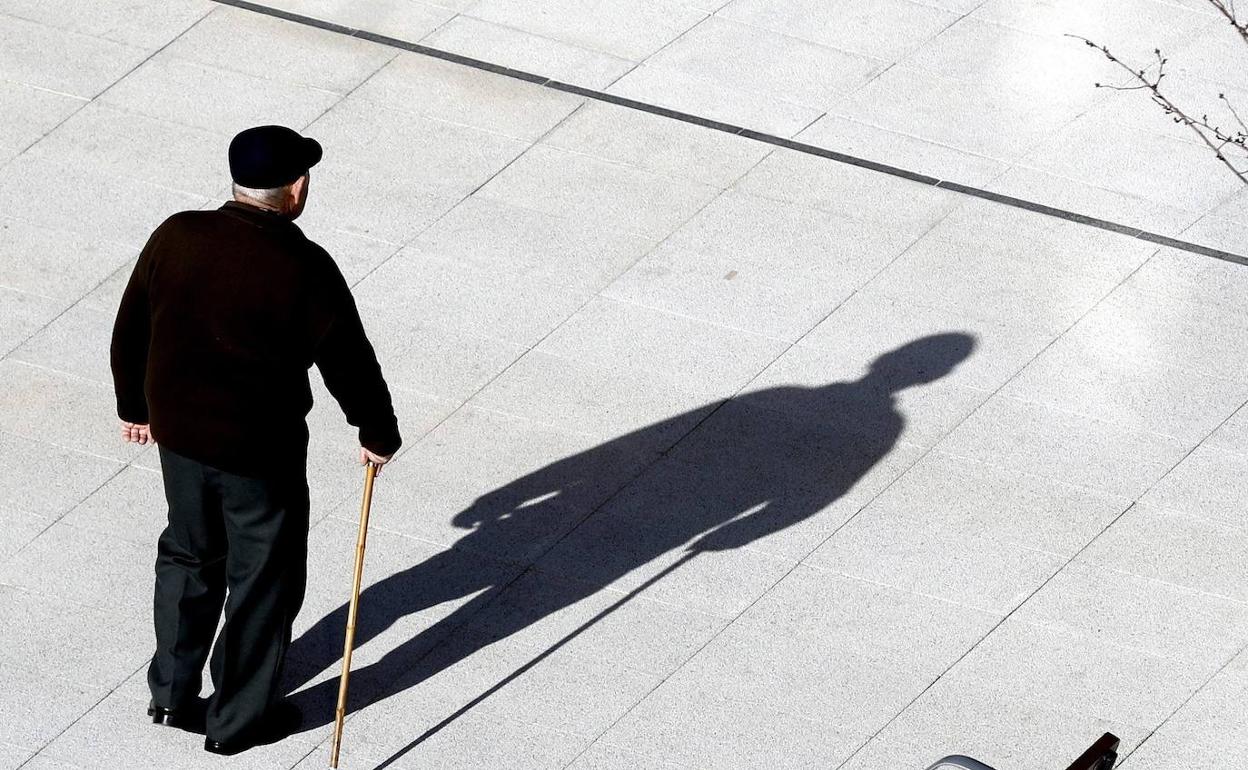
(235, 542)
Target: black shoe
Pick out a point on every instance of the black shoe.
(189, 718)
(280, 722)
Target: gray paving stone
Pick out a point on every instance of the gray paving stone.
(122, 142)
(88, 201)
(747, 59)
(602, 756)
(714, 732)
(1075, 673)
(610, 195)
(130, 506)
(1204, 731)
(657, 144)
(832, 688)
(989, 722)
(629, 30)
(900, 149)
(403, 19)
(814, 613)
(95, 741)
(712, 288)
(1035, 438)
(30, 113)
(215, 98)
(1181, 624)
(1188, 178)
(1144, 325)
(872, 322)
(415, 594)
(1129, 23)
(36, 707)
(279, 50)
(1022, 288)
(53, 263)
(1093, 201)
(509, 303)
(1175, 548)
(334, 474)
(886, 30)
(532, 246)
(147, 24)
(955, 495)
(25, 315)
(424, 358)
(1087, 376)
(86, 568)
(43, 762)
(926, 413)
(483, 481)
(47, 480)
(1029, 72)
(595, 402)
(759, 265)
(511, 47)
(850, 191)
(996, 122)
(454, 93)
(61, 409)
(472, 741)
(691, 354)
(17, 528)
(691, 93)
(74, 642)
(1233, 434)
(72, 64)
(1188, 277)
(1209, 483)
(970, 569)
(542, 610)
(12, 757)
(436, 154)
(563, 691)
(374, 203)
(75, 343)
(1219, 230)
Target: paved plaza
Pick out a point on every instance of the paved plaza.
(719, 452)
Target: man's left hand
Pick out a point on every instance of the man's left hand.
(136, 433)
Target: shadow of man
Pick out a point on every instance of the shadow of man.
(758, 464)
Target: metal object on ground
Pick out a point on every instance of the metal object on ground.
(959, 762)
(370, 472)
(1100, 756)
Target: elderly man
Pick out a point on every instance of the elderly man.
(223, 316)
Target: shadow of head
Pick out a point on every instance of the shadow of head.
(922, 361)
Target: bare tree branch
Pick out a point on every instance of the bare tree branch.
(1227, 9)
(1212, 135)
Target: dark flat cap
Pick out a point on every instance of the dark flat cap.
(265, 157)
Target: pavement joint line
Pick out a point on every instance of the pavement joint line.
(1234, 656)
(759, 136)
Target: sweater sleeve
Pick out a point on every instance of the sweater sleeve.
(131, 337)
(349, 367)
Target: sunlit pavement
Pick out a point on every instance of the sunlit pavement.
(720, 453)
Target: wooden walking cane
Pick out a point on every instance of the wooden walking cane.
(370, 472)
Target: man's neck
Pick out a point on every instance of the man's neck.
(258, 205)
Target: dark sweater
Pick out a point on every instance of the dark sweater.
(224, 314)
